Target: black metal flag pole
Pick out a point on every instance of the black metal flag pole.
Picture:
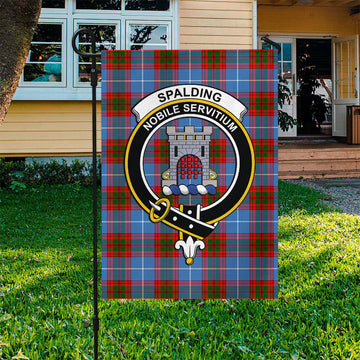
(93, 56)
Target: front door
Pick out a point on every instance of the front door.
(287, 70)
(346, 80)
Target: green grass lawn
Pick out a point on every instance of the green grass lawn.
(46, 290)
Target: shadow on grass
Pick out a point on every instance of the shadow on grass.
(294, 198)
(54, 217)
(325, 274)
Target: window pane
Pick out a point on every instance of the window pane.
(99, 47)
(53, 4)
(159, 5)
(286, 52)
(43, 52)
(47, 33)
(43, 72)
(151, 37)
(99, 4)
(286, 70)
(148, 47)
(103, 33)
(85, 72)
(44, 63)
(105, 36)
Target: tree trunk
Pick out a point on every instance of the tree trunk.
(18, 19)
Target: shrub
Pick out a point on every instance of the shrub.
(15, 173)
(10, 171)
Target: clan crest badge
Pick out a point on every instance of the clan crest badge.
(190, 199)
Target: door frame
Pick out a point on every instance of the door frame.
(292, 132)
(292, 38)
(342, 103)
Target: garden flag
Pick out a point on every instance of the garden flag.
(189, 174)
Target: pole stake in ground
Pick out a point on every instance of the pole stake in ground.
(93, 56)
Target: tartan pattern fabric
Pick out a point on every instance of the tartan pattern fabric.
(138, 256)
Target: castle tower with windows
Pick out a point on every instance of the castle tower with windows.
(189, 158)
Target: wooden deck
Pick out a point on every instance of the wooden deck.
(320, 159)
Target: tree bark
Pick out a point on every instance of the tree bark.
(18, 19)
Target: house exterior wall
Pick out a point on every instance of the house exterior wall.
(213, 24)
(63, 128)
(301, 19)
(48, 128)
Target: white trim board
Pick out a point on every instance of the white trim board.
(300, 35)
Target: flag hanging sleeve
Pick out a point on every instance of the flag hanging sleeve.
(189, 174)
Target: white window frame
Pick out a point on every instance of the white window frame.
(71, 88)
(77, 23)
(146, 23)
(52, 84)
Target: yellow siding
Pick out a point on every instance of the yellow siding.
(301, 19)
(48, 128)
(216, 24)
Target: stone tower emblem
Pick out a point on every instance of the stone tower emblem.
(189, 171)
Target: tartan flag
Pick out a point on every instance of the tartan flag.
(189, 174)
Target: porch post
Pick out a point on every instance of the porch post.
(255, 35)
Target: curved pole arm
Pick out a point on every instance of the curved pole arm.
(92, 39)
(93, 54)
(272, 43)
